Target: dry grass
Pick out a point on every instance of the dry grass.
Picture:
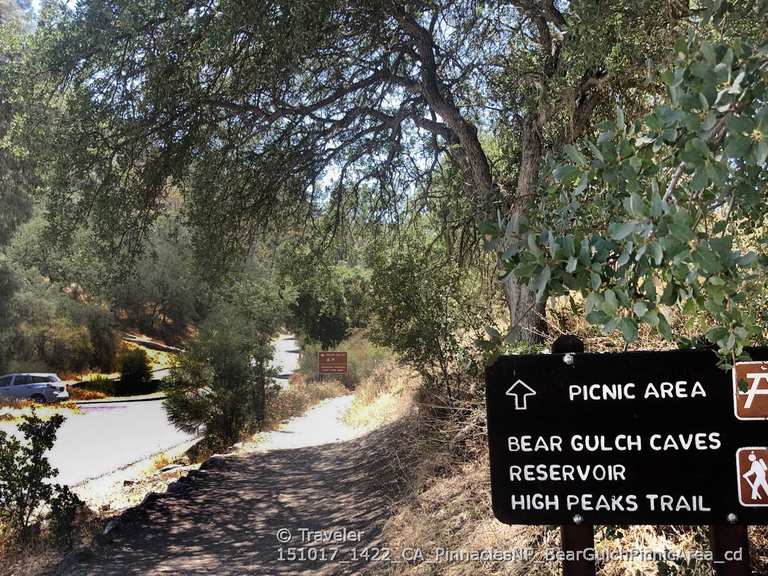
(12, 410)
(104, 497)
(453, 513)
(41, 552)
(382, 397)
(441, 460)
(562, 320)
(16, 404)
(76, 393)
(758, 538)
(161, 461)
(445, 505)
(679, 540)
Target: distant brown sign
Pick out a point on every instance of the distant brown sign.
(332, 362)
(750, 390)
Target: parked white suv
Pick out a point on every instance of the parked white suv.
(41, 388)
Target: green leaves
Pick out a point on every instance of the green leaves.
(620, 230)
(541, 281)
(565, 174)
(667, 198)
(628, 329)
(575, 155)
(656, 252)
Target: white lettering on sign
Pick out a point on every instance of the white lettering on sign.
(567, 472)
(667, 503)
(535, 444)
(535, 502)
(661, 391)
(679, 389)
(601, 391)
(612, 503)
(701, 441)
(520, 474)
(599, 443)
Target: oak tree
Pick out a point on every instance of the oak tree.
(260, 111)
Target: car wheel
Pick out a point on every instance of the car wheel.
(39, 398)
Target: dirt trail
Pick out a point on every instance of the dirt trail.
(314, 474)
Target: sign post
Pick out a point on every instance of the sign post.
(632, 438)
(575, 539)
(730, 550)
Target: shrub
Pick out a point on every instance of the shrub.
(65, 508)
(219, 383)
(65, 346)
(134, 373)
(25, 473)
(104, 338)
(81, 393)
(101, 326)
(430, 312)
(98, 384)
(332, 299)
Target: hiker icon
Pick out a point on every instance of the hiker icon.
(757, 469)
(752, 474)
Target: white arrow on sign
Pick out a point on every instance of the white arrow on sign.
(520, 390)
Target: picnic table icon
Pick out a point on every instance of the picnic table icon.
(750, 386)
(755, 389)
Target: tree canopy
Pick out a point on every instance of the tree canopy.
(263, 114)
(667, 210)
(259, 112)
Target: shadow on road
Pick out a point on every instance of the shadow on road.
(226, 522)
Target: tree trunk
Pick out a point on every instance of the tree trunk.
(526, 323)
(527, 317)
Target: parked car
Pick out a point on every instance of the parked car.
(41, 388)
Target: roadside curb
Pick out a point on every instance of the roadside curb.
(118, 400)
(113, 527)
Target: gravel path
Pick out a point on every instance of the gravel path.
(321, 425)
(316, 474)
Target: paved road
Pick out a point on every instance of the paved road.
(286, 359)
(107, 437)
(111, 436)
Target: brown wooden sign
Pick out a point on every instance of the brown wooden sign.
(332, 362)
